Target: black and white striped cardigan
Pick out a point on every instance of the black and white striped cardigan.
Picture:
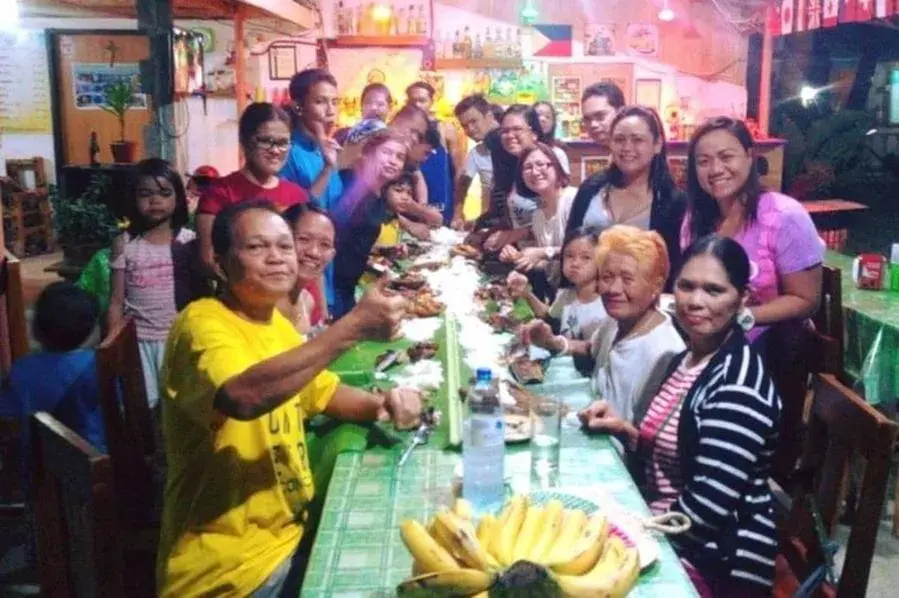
(726, 440)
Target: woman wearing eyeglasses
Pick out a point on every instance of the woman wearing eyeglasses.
(637, 189)
(264, 133)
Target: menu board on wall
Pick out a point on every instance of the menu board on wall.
(24, 83)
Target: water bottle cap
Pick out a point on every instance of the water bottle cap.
(484, 374)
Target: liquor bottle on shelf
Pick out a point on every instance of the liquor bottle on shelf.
(363, 19)
(466, 43)
(342, 28)
(421, 24)
(400, 20)
(510, 43)
(353, 15)
(478, 50)
(94, 149)
(499, 48)
(448, 45)
(488, 49)
(393, 27)
(410, 21)
(457, 45)
(517, 48)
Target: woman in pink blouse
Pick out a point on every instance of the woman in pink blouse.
(726, 198)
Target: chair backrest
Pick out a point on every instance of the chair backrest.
(828, 341)
(13, 323)
(840, 425)
(128, 422)
(78, 544)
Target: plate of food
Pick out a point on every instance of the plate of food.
(527, 371)
(407, 280)
(425, 305)
(467, 251)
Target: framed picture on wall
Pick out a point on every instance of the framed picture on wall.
(282, 62)
(648, 92)
(592, 164)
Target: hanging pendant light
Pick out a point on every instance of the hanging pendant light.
(666, 14)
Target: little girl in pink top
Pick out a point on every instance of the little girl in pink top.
(151, 264)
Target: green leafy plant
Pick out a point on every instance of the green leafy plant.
(84, 220)
(118, 102)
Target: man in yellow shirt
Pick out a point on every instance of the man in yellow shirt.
(238, 381)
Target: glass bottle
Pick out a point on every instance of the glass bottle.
(478, 50)
(410, 21)
(488, 44)
(518, 44)
(457, 45)
(422, 22)
(342, 28)
(510, 43)
(466, 43)
(499, 48)
(393, 27)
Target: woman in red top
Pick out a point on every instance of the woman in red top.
(264, 132)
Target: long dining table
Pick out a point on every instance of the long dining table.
(357, 549)
(871, 330)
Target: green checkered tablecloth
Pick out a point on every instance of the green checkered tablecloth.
(871, 324)
(358, 551)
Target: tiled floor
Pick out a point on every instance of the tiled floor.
(14, 582)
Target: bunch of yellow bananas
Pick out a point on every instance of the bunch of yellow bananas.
(455, 557)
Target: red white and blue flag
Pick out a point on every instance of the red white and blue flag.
(552, 40)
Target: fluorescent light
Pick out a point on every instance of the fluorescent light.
(11, 9)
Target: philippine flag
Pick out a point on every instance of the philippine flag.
(552, 40)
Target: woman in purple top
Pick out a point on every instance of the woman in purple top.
(726, 198)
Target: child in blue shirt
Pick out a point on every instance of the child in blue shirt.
(61, 378)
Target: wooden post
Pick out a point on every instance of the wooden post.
(240, 60)
(765, 76)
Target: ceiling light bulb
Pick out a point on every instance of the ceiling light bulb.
(381, 12)
(666, 14)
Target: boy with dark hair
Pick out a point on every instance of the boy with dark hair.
(476, 115)
(61, 378)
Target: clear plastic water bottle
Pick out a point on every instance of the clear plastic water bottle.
(483, 445)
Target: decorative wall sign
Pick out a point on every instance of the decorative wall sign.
(648, 92)
(642, 39)
(599, 40)
(24, 83)
(282, 62)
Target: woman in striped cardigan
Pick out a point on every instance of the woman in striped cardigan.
(706, 441)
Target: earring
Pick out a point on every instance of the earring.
(745, 319)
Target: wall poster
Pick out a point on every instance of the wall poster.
(93, 79)
(590, 165)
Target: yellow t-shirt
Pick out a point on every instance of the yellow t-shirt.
(236, 492)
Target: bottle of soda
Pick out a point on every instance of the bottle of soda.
(483, 444)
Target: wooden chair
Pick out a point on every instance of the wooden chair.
(828, 342)
(13, 344)
(129, 426)
(78, 544)
(841, 424)
(13, 323)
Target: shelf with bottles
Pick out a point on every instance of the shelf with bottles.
(443, 64)
(496, 44)
(390, 41)
(361, 23)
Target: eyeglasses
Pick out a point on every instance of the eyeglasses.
(535, 166)
(270, 143)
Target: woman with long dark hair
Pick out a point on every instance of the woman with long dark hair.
(727, 198)
(637, 189)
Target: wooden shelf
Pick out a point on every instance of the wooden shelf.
(392, 41)
(478, 63)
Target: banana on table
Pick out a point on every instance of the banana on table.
(456, 556)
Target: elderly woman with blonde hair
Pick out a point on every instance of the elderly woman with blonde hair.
(634, 345)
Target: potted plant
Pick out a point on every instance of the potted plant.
(83, 224)
(118, 102)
